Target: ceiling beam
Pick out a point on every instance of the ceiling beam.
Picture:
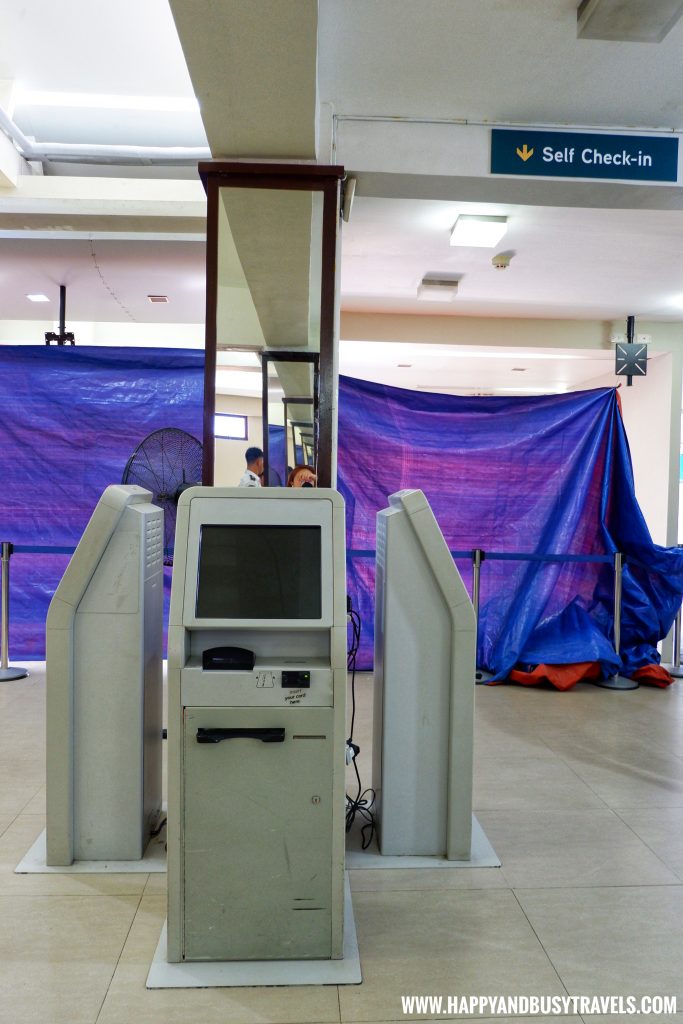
(38, 203)
(253, 65)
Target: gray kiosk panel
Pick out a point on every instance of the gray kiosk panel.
(257, 685)
(104, 690)
(425, 638)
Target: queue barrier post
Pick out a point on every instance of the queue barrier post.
(674, 669)
(478, 556)
(618, 682)
(7, 671)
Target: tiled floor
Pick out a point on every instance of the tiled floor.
(581, 794)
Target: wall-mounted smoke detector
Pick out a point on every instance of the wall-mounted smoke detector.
(438, 287)
(501, 261)
(158, 298)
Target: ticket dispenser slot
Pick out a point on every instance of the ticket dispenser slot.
(216, 659)
(257, 683)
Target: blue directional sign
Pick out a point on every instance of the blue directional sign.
(552, 154)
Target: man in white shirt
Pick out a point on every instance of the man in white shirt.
(252, 475)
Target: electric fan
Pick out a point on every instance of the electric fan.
(166, 463)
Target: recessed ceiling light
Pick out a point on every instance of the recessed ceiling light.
(103, 101)
(158, 298)
(37, 298)
(404, 366)
(478, 231)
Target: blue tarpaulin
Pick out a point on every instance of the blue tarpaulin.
(71, 416)
(547, 475)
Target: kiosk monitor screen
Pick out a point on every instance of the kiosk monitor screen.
(259, 572)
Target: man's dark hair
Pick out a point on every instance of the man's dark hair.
(252, 454)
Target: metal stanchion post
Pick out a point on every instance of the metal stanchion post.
(478, 557)
(618, 682)
(7, 672)
(674, 669)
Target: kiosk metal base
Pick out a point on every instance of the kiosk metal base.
(13, 672)
(482, 856)
(34, 862)
(618, 683)
(482, 677)
(238, 974)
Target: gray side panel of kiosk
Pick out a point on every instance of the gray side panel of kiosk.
(104, 669)
(424, 687)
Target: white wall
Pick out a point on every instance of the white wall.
(32, 332)
(229, 462)
(647, 411)
(646, 408)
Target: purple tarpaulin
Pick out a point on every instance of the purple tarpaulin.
(71, 416)
(543, 475)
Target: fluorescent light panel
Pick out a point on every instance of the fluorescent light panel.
(103, 101)
(37, 297)
(478, 230)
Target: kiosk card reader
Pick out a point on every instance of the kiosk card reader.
(257, 681)
(425, 641)
(104, 688)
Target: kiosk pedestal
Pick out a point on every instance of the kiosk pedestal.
(425, 661)
(104, 686)
(257, 680)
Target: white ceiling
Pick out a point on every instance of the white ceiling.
(106, 280)
(568, 263)
(475, 59)
(477, 369)
(493, 60)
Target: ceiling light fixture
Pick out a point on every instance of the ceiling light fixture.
(158, 298)
(629, 21)
(438, 287)
(103, 101)
(38, 297)
(478, 230)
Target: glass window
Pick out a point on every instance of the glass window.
(229, 425)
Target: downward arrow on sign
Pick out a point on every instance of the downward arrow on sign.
(524, 153)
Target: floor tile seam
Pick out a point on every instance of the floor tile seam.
(585, 783)
(437, 888)
(30, 799)
(644, 841)
(5, 830)
(538, 939)
(69, 895)
(118, 959)
(598, 885)
(635, 888)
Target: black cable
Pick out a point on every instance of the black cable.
(157, 830)
(360, 805)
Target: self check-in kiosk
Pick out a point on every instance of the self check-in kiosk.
(104, 686)
(425, 650)
(257, 678)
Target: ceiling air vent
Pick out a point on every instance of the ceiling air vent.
(438, 287)
(628, 21)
